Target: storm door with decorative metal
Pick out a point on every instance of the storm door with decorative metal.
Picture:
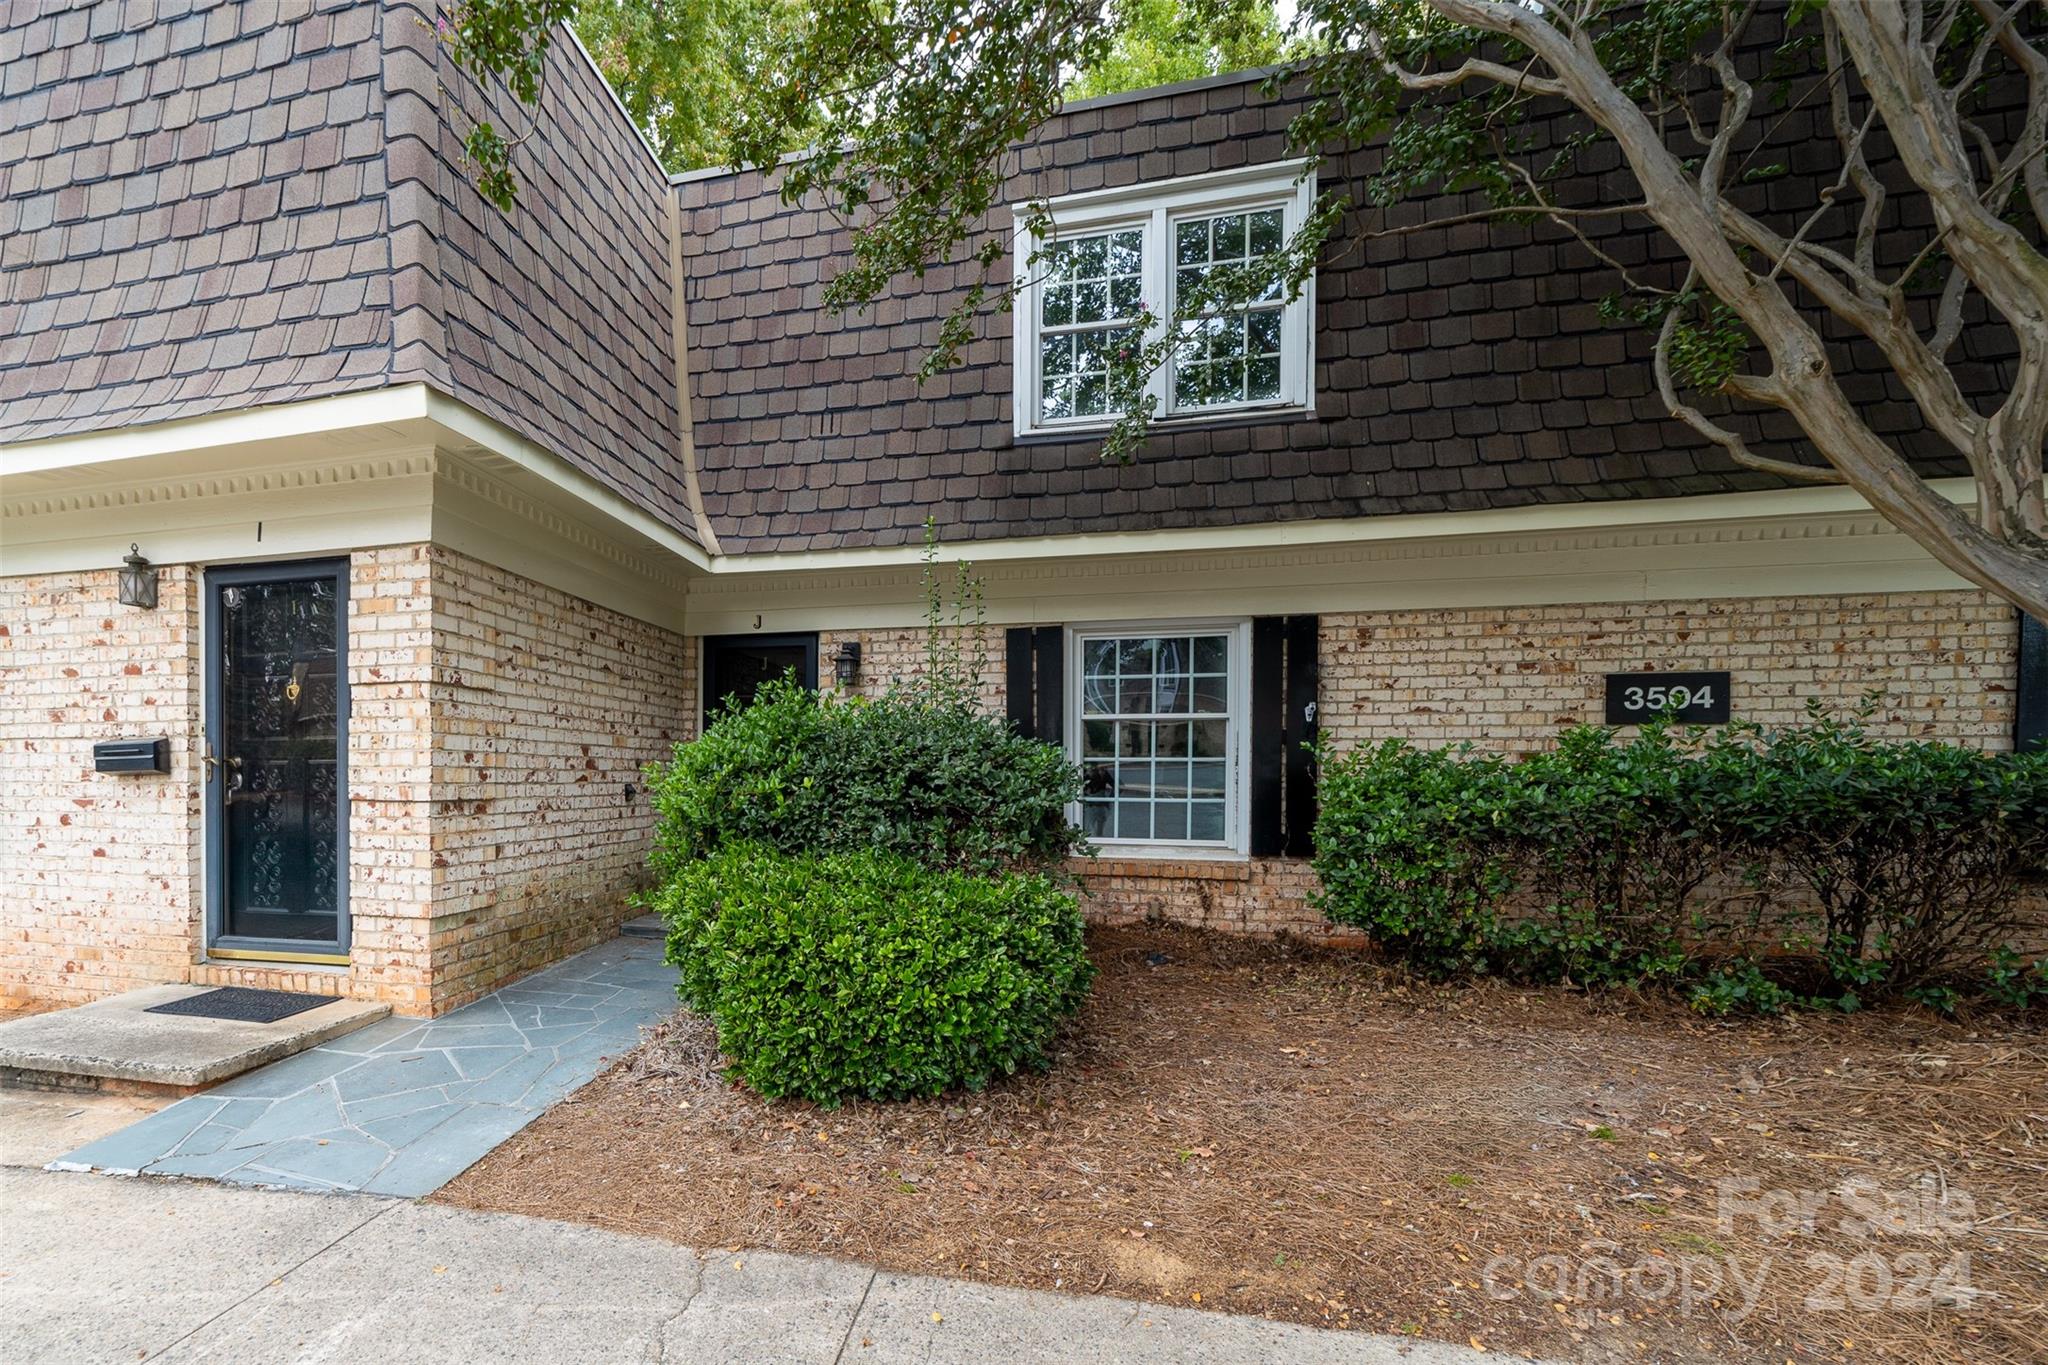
(274, 760)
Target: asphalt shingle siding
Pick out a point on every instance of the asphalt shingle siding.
(555, 318)
(1457, 367)
(191, 211)
(206, 207)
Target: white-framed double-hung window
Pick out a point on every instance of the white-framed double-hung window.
(1157, 721)
(1114, 254)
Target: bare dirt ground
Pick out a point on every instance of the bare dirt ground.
(1259, 1128)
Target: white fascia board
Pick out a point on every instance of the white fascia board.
(472, 427)
(1394, 526)
(404, 408)
(312, 417)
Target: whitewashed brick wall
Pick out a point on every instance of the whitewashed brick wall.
(494, 726)
(899, 655)
(545, 711)
(99, 873)
(1511, 678)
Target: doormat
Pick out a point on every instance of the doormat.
(244, 1005)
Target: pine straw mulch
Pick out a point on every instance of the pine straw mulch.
(1269, 1129)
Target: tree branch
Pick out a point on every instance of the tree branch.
(1855, 165)
(1737, 449)
(1736, 96)
(1924, 125)
(1504, 211)
(1883, 320)
(2031, 151)
(1800, 368)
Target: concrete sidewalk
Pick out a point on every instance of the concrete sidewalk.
(96, 1268)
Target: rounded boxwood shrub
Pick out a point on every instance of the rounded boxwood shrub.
(927, 777)
(869, 974)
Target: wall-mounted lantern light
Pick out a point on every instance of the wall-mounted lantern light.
(138, 581)
(846, 663)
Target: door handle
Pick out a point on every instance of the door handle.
(234, 777)
(207, 763)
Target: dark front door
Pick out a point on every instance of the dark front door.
(735, 666)
(276, 781)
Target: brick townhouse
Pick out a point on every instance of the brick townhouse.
(444, 522)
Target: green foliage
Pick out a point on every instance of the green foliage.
(681, 67)
(1742, 988)
(1406, 849)
(1883, 869)
(953, 670)
(2014, 983)
(922, 771)
(507, 40)
(1914, 851)
(869, 974)
(1159, 42)
(1614, 838)
(934, 781)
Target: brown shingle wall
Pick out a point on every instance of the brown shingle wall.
(554, 318)
(216, 205)
(1457, 367)
(191, 210)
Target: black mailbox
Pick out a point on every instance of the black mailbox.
(132, 756)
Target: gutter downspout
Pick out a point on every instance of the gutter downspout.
(680, 345)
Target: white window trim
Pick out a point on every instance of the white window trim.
(1287, 185)
(1237, 781)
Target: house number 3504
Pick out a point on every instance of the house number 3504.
(1692, 698)
(1657, 698)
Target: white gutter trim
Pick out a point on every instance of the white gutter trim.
(538, 460)
(373, 407)
(418, 402)
(1394, 526)
(317, 416)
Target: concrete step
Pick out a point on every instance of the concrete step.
(116, 1045)
(646, 926)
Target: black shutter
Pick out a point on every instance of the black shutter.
(1018, 693)
(1034, 676)
(1049, 658)
(2030, 720)
(1269, 733)
(1301, 735)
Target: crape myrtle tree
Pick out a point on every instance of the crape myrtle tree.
(1924, 223)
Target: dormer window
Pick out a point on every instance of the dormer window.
(1113, 253)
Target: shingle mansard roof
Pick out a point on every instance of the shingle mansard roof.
(206, 207)
(219, 208)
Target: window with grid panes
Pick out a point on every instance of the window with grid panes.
(1156, 741)
(1085, 303)
(1230, 357)
(1113, 254)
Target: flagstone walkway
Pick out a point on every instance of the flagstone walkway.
(405, 1105)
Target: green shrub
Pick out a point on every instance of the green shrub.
(1741, 987)
(1612, 841)
(923, 775)
(1886, 869)
(1914, 853)
(2014, 983)
(1408, 849)
(870, 974)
